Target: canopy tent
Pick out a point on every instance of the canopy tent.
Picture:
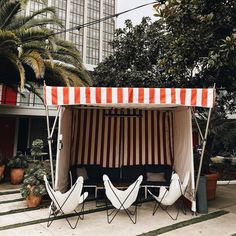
(125, 126)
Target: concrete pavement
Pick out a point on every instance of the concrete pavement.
(96, 224)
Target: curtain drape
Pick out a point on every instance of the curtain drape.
(111, 139)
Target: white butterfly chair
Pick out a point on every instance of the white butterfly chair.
(122, 199)
(65, 203)
(167, 197)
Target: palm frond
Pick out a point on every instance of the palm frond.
(31, 88)
(58, 61)
(74, 81)
(8, 39)
(8, 10)
(55, 76)
(82, 76)
(43, 22)
(35, 61)
(16, 63)
(72, 52)
(33, 34)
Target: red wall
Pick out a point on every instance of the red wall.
(9, 96)
(8, 124)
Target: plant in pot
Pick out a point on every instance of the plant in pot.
(37, 148)
(17, 165)
(2, 168)
(33, 187)
(219, 128)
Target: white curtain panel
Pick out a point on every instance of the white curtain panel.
(183, 149)
(63, 157)
(89, 136)
(113, 141)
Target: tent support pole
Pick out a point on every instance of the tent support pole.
(202, 153)
(50, 141)
(55, 121)
(198, 127)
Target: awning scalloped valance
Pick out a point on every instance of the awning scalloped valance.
(129, 97)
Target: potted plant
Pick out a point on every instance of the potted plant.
(2, 169)
(219, 134)
(33, 187)
(17, 164)
(37, 149)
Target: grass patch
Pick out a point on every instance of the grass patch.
(9, 192)
(44, 220)
(15, 211)
(14, 200)
(185, 223)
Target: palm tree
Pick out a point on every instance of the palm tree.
(29, 52)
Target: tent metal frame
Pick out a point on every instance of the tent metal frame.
(50, 134)
(204, 141)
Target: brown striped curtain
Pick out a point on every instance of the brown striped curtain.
(100, 137)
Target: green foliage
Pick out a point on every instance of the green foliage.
(27, 45)
(37, 148)
(18, 161)
(2, 161)
(33, 179)
(192, 44)
(221, 137)
(202, 51)
(134, 61)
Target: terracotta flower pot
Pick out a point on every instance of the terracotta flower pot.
(33, 201)
(211, 185)
(17, 175)
(2, 168)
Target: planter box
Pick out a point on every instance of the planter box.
(211, 184)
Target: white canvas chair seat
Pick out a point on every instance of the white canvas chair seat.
(122, 199)
(67, 202)
(167, 197)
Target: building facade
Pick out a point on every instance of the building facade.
(22, 118)
(92, 41)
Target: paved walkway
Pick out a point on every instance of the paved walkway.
(96, 224)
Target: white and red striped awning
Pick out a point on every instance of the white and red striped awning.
(129, 97)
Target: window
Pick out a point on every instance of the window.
(77, 18)
(108, 27)
(92, 51)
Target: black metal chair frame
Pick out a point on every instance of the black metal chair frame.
(165, 208)
(54, 211)
(131, 214)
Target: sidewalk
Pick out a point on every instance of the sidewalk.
(33, 222)
(221, 226)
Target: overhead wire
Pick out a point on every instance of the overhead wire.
(87, 24)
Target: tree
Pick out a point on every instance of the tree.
(134, 61)
(202, 40)
(192, 44)
(30, 52)
(202, 51)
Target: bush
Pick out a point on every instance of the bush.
(37, 148)
(33, 180)
(18, 161)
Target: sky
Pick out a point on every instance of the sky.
(135, 15)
